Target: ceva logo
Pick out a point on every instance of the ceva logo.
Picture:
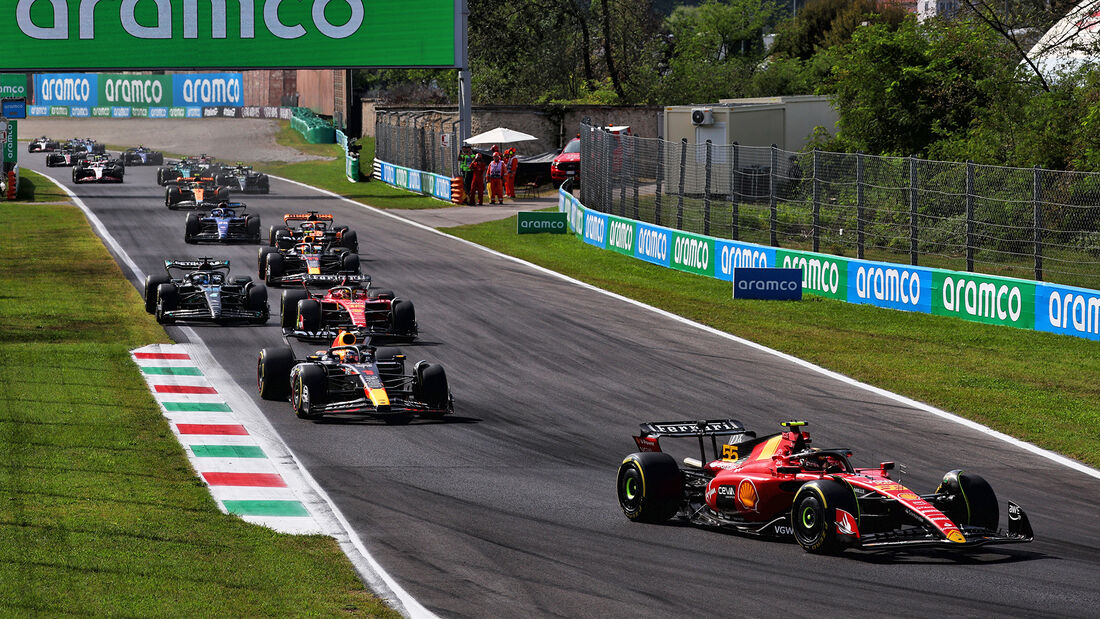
(85, 15)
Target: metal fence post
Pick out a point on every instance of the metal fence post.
(913, 210)
(772, 198)
(680, 197)
(969, 216)
(817, 204)
(660, 180)
(735, 228)
(1037, 221)
(859, 206)
(706, 191)
(633, 141)
(617, 146)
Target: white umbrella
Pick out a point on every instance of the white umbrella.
(500, 135)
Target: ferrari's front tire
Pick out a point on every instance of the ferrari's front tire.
(968, 500)
(816, 515)
(649, 487)
(273, 373)
(288, 308)
(308, 391)
(309, 314)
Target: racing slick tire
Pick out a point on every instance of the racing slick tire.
(274, 268)
(970, 500)
(261, 260)
(265, 185)
(222, 179)
(649, 486)
(271, 235)
(283, 239)
(256, 299)
(814, 515)
(386, 355)
(167, 300)
(350, 240)
(172, 197)
(288, 308)
(308, 390)
(252, 226)
(380, 293)
(349, 262)
(191, 227)
(152, 282)
(273, 372)
(430, 387)
(403, 317)
(222, 194)
(309, 314)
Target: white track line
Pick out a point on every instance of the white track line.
(1039, 451)
(369, 569)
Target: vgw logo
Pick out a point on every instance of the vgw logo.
(164, 28)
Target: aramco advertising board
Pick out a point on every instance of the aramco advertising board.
(47, 35)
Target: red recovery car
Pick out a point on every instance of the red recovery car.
(778, 486)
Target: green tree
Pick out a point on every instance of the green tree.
(823, 24)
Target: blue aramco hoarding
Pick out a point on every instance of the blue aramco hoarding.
(769, 284)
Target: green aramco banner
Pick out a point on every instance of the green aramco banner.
(46, 35)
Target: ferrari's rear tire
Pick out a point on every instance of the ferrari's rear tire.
(430, 385)
(349, 262)
(308, 390)
(814, 515)
(252, 226)
(152, 282)
(649, 486)
(403, 317)
(191, 227)
(167, 300)
(273, 372)
(970, 500)
(309, 314)
(257, 301)
(288, 308)
(274, 268)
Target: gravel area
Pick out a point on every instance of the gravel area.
(228, 139)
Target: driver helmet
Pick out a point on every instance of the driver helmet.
(200, 278)
(340, 293)
(347, 355)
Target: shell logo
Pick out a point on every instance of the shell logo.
(956, 537)
(747, 496)
(908, 496)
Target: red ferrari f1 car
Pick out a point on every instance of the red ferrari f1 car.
(778, 486)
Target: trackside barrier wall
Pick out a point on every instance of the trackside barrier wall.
(351, 158)
(434, 185)
(979, 298)
(312, 127)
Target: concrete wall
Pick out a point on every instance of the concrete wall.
(316, 90)
(268, 88)
(552, 125)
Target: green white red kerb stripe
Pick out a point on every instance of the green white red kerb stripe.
(241, 477)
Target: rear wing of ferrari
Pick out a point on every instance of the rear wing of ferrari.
(652, 431)
(328, 281)
(310, 216)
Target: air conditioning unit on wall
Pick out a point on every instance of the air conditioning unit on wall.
(702, 116)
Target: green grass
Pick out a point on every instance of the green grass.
(33, 187)
(102, 514)
(1040, 387)
(329, 173)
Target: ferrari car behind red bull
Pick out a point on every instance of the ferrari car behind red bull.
(355, 379)
(353, 306)
(778, 486)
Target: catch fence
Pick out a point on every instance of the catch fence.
(422, 140)
(1028, 223)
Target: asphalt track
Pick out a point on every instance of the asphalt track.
(508, 509)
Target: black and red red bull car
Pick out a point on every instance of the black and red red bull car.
(309, 261)
(352, 378)
(354, 307)
(778, 486)
(311, 224)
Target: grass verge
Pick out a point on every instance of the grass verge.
(329, 173)
(1039, 387)
(102, 514)
(33, 187)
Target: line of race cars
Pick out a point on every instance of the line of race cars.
(775, 486)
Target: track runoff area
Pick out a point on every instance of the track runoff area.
(511, 511)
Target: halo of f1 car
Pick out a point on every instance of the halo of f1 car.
(225, 222)
(310, 254)
(777, 486)
(353, 378)
(203, 291)
(98, 169)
